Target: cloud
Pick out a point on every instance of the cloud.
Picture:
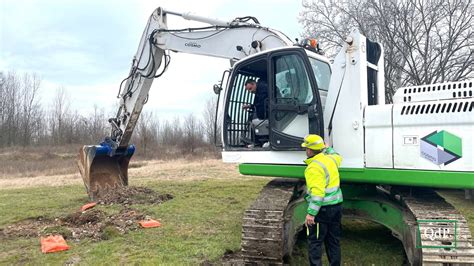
(87, 46)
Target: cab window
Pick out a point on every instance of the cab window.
(292, 81)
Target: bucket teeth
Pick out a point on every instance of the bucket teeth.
(102, 172)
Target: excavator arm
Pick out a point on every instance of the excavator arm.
(105, 166)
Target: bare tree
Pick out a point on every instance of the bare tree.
(172, 132)
(193, 136)
(59, 115)
(30, 108)
(10, 106)
(3, 108)
(147, 131)
(71, 127)
(424, 41)
(166, 132)
(22, 122)
(95, 125)
(211, 133)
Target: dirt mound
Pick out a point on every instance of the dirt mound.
(127, 219)
(81, 218)
(132, 195)
(94, 224)
(97, 225)
(26, 228)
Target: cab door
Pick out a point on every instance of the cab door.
(295, 105)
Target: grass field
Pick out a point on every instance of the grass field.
(200, 224)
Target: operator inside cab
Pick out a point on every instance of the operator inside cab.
(259, 113)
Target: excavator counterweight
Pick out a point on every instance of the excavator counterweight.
(103, 168)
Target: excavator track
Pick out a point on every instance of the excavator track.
(427, 205)
(268, 234)
(269, 227)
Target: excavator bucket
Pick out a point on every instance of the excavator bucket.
(103, 168)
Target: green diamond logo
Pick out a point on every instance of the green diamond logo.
(441, 147)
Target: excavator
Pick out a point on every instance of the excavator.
(395, 154)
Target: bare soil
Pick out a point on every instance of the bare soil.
(133, 195)
(93, 223)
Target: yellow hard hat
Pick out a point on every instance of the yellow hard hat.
(313, 142)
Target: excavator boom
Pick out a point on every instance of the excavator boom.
(105, 166)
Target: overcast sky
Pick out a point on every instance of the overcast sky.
(86, 46)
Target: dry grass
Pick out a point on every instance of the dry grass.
(38, 161)
(33, 167)
(47, 161)
(184, 169)
(142, 170)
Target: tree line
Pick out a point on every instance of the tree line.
(26, 121)
(424, 41)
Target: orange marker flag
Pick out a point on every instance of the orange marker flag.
(150, 223)
(53, 243)
(88, 206)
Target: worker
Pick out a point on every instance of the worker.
(260, 89)
(323, 219)
(259, 121)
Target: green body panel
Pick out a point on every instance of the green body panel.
(362, 201)
(421, 178)
(299, 212)
(381, 212)
(298, 216)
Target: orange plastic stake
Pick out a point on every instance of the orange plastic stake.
(53, 243)
(88, 206)
(149, 223)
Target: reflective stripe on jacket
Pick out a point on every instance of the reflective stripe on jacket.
(322, 181)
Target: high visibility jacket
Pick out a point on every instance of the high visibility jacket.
(322, 181)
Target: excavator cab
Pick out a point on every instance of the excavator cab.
(104, 167)
(296, 87)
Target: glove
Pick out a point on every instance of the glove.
(329, 150)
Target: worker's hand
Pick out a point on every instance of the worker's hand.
(246, 106)
(309, 220)
(329, 150)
